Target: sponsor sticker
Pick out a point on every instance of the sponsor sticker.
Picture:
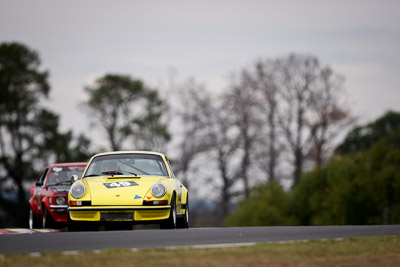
(120, 184)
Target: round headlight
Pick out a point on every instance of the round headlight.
(78, 190)
(158, 190)
(61, 200)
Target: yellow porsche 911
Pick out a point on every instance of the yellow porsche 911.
(126, 188)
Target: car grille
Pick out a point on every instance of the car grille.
(116, 216)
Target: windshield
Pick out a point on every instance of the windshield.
(62, 174)
(127, 164)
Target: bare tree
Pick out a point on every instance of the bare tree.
(287, 107)
(225, 141)
(243, 105)
(310, 114)
(330, 116)
(193, 120)
(233, 128)
(208, 131)
(262, 78)
(297, 76)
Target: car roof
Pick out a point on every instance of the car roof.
(68, 164)
(130, 152)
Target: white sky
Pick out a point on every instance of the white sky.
(81, 40)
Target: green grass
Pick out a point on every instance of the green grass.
(371, 251)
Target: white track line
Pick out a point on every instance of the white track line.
(26, 231)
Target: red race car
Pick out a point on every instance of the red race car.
(48, 204)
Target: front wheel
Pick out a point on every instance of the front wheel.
(34, 222)
(72, 225)
(170, 223)
(47, 220)
(76, 226)
(183, 222)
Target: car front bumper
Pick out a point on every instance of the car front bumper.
(58, 213)
(119, 213)
(59, 208)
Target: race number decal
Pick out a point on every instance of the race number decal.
(120, 184)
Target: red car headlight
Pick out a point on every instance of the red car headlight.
(60, 200)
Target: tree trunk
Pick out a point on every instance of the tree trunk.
(272, 144)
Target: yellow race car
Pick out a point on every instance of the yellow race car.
(125, 188)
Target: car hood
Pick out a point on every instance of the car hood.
(120, 190)
(58, 189)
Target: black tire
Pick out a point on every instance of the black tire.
(183, 221)
(77, 226)
(33, 222)
(73, 226)
(170, 223)
(47, 220)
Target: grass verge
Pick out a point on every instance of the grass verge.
(371, 251)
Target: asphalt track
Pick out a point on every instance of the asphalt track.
(151, 238)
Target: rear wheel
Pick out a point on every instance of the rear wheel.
(34, 222)
(170, 223)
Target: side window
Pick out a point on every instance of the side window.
(169, 165)
(43, 176)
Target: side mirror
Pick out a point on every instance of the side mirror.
(38, 183)
(74, 178)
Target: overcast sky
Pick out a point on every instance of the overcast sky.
(81, 40)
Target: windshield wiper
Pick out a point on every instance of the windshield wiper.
(91, 175)
(112, 173)
(131, 173)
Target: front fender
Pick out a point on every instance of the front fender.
(184, 195)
